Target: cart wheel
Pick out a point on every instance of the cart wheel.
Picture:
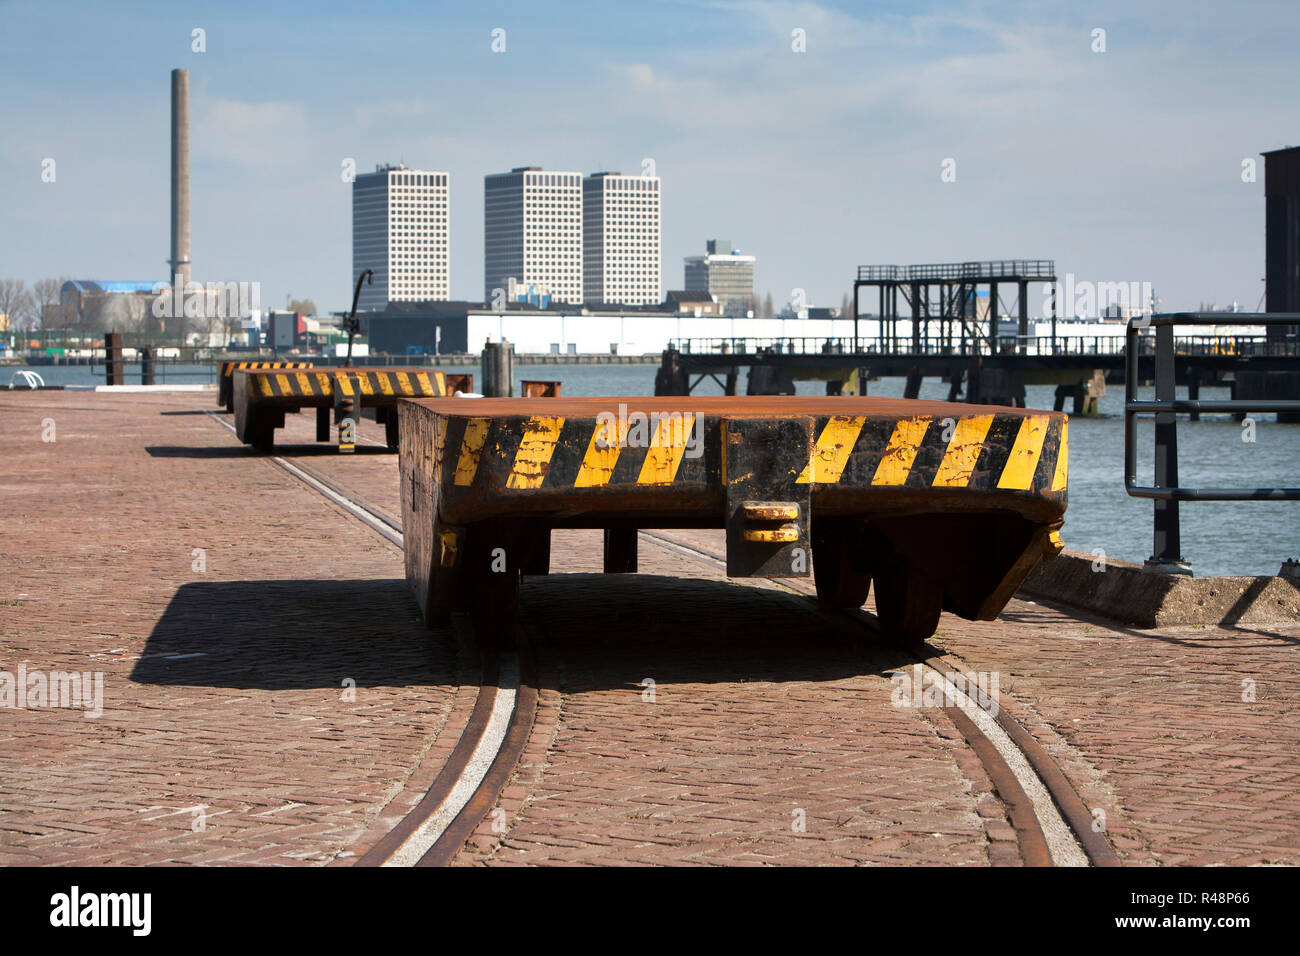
(264, 437)
(839, 584)
(908, 604)
(444, 589)
(495, 610)
(490, 578)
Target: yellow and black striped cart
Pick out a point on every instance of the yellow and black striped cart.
(262, 396)
(941, 505)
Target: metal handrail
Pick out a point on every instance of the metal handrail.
(1165, 491)
(1028, 345)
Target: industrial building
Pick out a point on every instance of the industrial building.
(726, 274)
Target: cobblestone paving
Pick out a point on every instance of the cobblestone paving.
(223, 679)
(1154, 728)
(769, 736)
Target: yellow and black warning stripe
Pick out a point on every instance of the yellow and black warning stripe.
(228, 368)
(391, 383)
(226, 376)
(994, 452)
(373, 386)
(1003, 452)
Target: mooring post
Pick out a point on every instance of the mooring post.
(113, 370)
(146, 366)
(498, 369)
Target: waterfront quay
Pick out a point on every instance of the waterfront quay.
(259, 687)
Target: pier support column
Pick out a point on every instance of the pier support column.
(913, 387)
(671, 379)
(954, 384)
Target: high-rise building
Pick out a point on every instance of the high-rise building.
(726, 274)
(620, 239)
(532, 232)
(400, 230)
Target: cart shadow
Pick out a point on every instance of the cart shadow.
(615, 631)
(293, 634)
(247, 451)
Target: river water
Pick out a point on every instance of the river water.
(1218, 537)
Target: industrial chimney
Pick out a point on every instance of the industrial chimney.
(180, 260)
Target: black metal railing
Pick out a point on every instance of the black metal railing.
(1028, 269)
(1166, 407)
(1043, 346)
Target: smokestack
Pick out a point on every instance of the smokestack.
(180, 260)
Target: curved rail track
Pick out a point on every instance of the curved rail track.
(1053, 827)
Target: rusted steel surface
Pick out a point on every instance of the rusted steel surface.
(262, 396)
(536, 388)
(945, 506)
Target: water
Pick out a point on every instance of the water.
(83, 375)
(1219, 537)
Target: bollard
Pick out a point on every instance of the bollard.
(498, 369)
(146, 367)
(114, 373)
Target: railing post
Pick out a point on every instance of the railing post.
(1166, 556)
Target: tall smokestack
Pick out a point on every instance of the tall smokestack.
(180, 260)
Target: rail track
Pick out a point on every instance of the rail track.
(1052, 825)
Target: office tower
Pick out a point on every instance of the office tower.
(532, 232)
(620, 236)
(400, 230)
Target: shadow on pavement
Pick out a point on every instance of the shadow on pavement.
(247, 451)
(276, 635)
(613, 631)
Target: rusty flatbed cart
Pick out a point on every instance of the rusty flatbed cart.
(940, 505)
(262, 396)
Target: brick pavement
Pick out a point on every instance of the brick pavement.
(772, 717)
(1152, 729)
(224, 688)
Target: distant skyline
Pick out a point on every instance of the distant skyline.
(1122, 166)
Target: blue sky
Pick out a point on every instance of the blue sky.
(1122, 166)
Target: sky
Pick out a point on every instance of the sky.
(1123, 164)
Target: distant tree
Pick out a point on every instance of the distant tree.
(305, 306)
(16, 302)
(96, 313)
(135, 317)
(48, 293)
(769, 308)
